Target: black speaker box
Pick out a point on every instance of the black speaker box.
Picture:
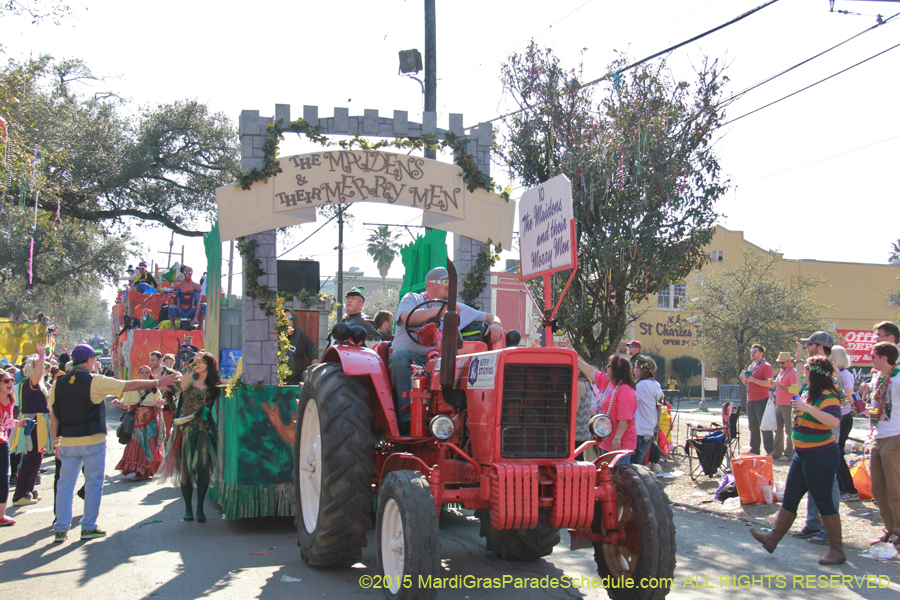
(296, 275)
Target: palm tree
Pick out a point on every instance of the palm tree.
(383, 248)
(895, 251)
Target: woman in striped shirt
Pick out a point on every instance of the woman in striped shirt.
(815, 462)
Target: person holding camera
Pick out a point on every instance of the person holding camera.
(756, 377)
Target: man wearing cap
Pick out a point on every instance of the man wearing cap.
(757, 373)
(78, 423)
(353, 304)
(785, 384)
(405, 351)
(143, 280)
(634, 349)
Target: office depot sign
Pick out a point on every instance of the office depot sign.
(858, 344)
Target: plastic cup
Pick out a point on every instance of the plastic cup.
(767, 493)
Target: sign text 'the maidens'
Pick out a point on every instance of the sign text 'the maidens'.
(340, 177)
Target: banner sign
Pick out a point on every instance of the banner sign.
(858, 344)
(310, 180)
(547, 228)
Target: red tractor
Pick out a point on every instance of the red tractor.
(492, 430)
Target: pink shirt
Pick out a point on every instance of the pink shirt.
(789, 378)
(620, 407)
(757, 392)
(6, 416)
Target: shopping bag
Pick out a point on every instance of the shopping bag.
(770, 420)
(751, 474)
(862, 481)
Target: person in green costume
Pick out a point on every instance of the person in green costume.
(191, 455)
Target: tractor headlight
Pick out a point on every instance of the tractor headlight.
(442, 427)
(601, 426)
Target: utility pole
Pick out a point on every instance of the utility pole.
(230, 265)
(171, 245)
(430, 64)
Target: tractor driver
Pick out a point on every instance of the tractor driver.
(405, 351)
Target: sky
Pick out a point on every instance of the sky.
(809, 176)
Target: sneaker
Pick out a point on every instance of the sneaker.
(24, 501)
(6, 521)
(820, 538)
(92, 534)
(35, 495)
(804, 533)
(849, 497)
(59, 537)
(784, 459)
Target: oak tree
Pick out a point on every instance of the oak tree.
(644, 174)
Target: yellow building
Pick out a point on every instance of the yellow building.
(856, 292)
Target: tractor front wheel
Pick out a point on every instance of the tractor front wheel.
(332, 467)
(408, 546)
(518, 544)
(648, 552)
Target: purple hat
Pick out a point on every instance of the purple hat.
(82, 352)
(142, 264)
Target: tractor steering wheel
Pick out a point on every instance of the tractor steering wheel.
(414, 333)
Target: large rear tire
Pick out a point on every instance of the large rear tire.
(518, 544)
(332, 467)
(408, 542)
(649, 549)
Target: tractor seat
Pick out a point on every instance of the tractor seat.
(383, 350)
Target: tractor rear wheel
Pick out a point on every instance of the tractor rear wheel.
(408, 543)
(518, 544)
(332, 467)
(649, 548)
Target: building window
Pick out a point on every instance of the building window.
(718, 256)
(670, 298)
(893, 300)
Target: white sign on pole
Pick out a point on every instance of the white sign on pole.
(546, 228)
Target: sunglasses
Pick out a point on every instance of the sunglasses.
(444, 281)
(808, 344)
(7, 380)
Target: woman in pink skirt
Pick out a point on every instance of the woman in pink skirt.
(144, 451)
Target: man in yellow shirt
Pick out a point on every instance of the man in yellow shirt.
(78, 422)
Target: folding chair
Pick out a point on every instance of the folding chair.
(701, 448)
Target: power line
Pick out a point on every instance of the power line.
(309, 236)
(651, 57)
(391, 26)
(767, 80)
(820, 160)
(809, 86)
(458, 73)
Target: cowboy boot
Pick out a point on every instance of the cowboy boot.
(835, 555)
(782, 525)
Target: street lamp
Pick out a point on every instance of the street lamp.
(702, 405)
(702, 299)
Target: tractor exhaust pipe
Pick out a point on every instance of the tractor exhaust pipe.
(449, 342)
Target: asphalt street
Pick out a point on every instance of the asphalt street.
(151, 553)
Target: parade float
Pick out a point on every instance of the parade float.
(257, 413)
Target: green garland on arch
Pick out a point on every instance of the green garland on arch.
(275, 133)
(272, 303)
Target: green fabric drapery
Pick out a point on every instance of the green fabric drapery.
(213, 247)
(420, 256)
